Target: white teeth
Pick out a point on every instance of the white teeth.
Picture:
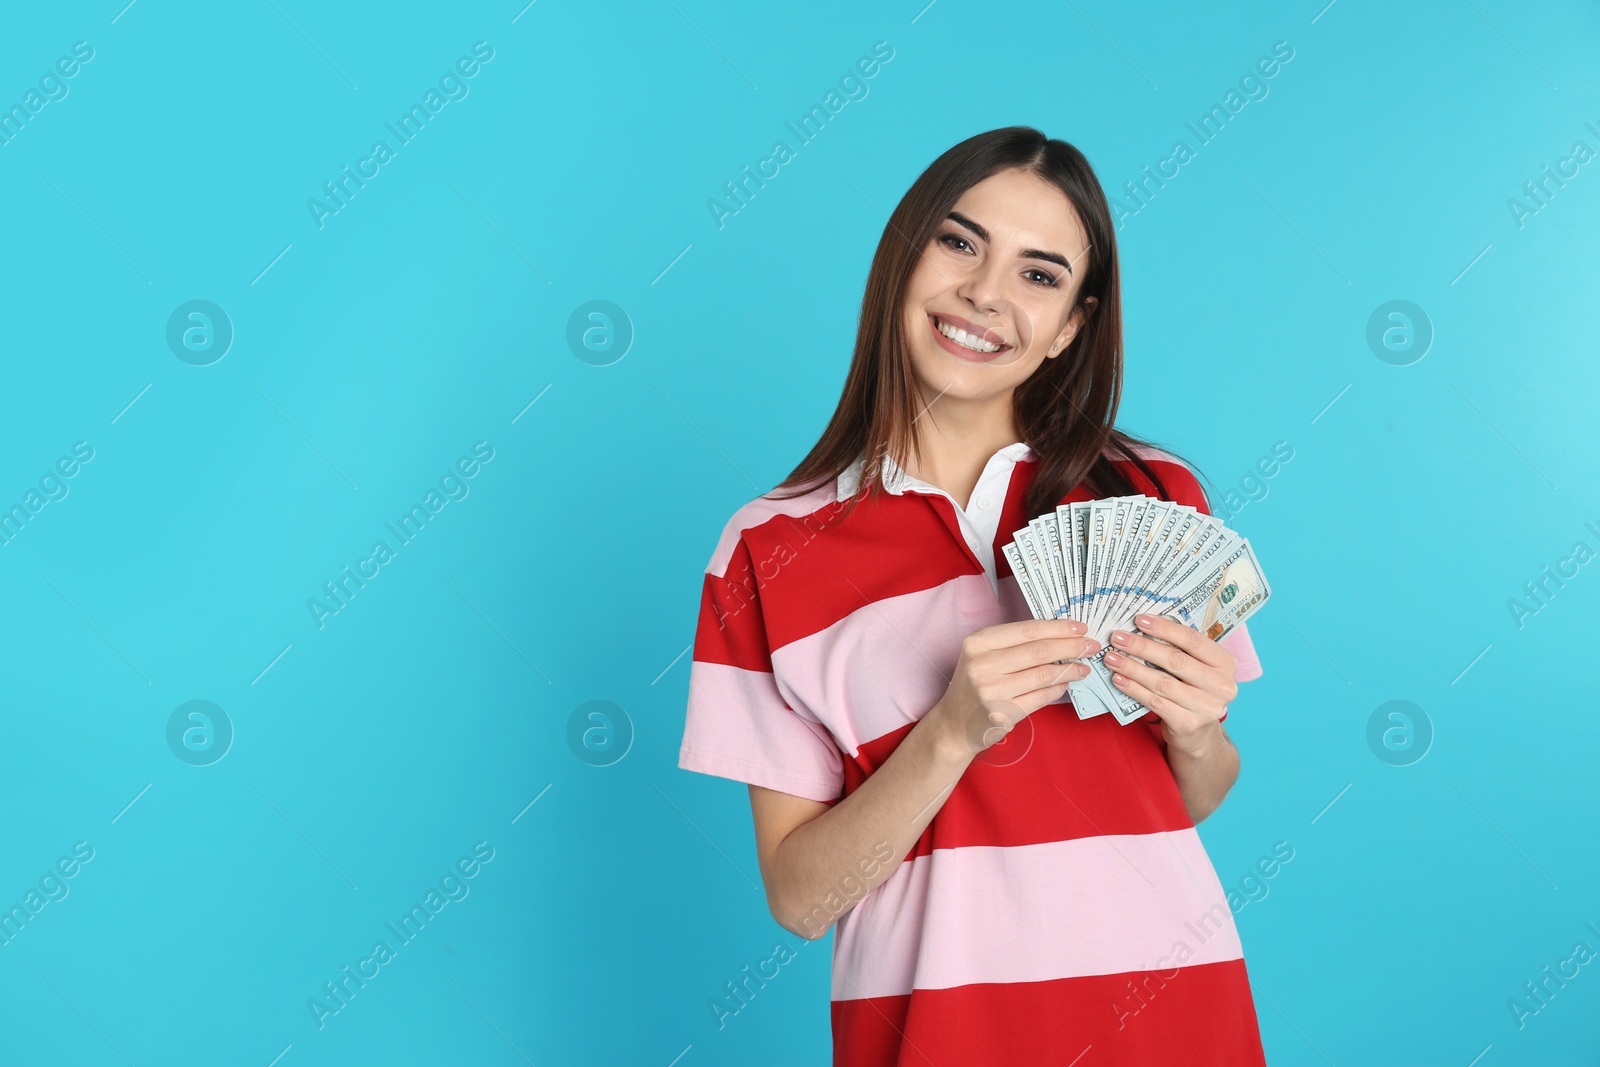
(965, 339)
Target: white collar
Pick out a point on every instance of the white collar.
(897, 481)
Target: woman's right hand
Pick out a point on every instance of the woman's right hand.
(1006, 673)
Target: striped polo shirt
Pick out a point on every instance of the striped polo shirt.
(1060, 902)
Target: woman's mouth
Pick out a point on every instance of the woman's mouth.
(960, 343)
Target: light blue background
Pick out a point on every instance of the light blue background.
(432, 310)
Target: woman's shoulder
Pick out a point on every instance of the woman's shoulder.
(758, 522)
(1180, 480)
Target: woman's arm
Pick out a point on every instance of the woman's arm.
(818, 861)
(1206, 767)
(1187, 679)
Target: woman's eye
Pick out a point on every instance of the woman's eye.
(960, 244)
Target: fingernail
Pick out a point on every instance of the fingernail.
(1077, 627)
(1145, 620)
(1091, 647)
(1119, 637)
(1113, 658)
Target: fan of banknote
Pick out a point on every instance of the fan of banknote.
(1104, 561)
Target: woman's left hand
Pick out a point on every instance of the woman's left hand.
(1186, 678)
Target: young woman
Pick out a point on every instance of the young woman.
(1010, 884)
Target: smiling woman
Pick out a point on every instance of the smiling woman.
(1019, 893)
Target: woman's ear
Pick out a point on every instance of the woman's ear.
(1075, 321)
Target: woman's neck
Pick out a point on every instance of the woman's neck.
(953, 456)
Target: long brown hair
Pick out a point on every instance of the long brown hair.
(1066, 410)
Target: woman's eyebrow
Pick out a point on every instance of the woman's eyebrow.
(1027, 253)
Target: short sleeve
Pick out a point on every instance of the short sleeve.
(1237, 641)
(738, 724)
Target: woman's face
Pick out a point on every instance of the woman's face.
(1004, 267)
